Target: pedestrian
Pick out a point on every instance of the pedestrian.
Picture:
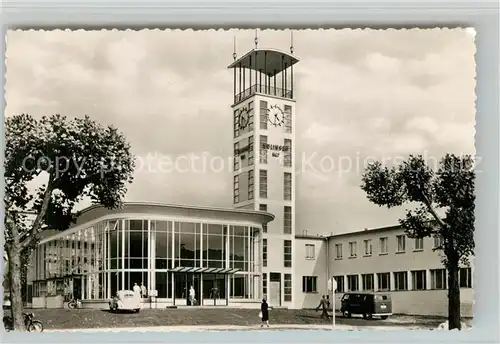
(144, 290)
(328, 304)
(192, 296)
(264, 313)
(323, 306)
(137, 291)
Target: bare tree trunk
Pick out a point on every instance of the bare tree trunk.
(16, 299)
(453, 297)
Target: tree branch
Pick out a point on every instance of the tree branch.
(427, 202)
(38, 220)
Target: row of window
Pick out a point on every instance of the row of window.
(287, 253)
(287, 219)
(263, 119)
(418, 245)
(438, 280)
(287, 186)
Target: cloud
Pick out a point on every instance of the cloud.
(360, 93)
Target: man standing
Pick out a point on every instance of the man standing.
(137, 291)
(192, 296)
(144, 291)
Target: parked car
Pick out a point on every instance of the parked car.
(366, 304)
(125, 300)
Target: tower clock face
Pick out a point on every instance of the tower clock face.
(243, 118)
(276, 116)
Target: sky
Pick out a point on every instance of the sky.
(361, 95)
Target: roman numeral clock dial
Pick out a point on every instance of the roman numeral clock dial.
(275, 116)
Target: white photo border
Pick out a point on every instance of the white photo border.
(481, 15)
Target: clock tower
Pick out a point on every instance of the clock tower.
(264, 165)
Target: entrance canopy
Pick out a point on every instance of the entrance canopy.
(205, 270)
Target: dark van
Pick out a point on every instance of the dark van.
(366, 304)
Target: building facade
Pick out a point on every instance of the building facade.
(379, 260)
(264, 169)
(238, 256)
(166, 248)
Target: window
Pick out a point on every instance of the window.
(236, 123)
(401, 243)
(368, 247)
(236, 189)
(287, 159)
(353, 249)
(383, 245)
(287, 288)
(236, 157)
(340, 283)
(287, 220)
(465, 278)
(438, 279)
(352, 283)
(263, 207)
(310, 251)
(288, 119)
(250, 161)
(401, 280)
(250, 117)
(367, 280)
(384, 281)
(309, 284)
(419, 280)
(287, 253)
(250, 185)
(263, 115)
(338, 251)
(287, 186)
(419, 244)
(264, 252)
(263, 183)
(264, 285)
(263, 151)
(438, 241)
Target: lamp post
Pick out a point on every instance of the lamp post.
(332, 286)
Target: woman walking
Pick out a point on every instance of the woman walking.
(264, 311)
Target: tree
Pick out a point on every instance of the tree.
(78, 158)
(449, 189)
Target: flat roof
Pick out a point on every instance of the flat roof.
(269, 61)
(143, 209)
(367, 230)
(178, 209)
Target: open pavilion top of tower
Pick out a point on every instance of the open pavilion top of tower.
(267, 61)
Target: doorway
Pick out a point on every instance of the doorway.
(193, 280)
(214, 289)
(183, 283)
(275, 289)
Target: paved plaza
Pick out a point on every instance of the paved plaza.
(214, 319)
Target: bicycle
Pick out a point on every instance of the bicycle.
(74, 303)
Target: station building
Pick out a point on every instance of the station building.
(167, 248)
(235, 257)
(379, 260)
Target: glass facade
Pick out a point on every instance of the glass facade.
(95, 262)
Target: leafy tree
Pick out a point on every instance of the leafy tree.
(448, 190)
(78, 158)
